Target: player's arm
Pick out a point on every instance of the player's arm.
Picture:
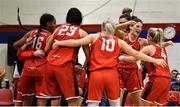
(120, 34)
(23, 53)
(166, 44)
(139, 55)
(21, 41)
(148, 50)
(127, 58)
(125, 25)
(118, 30)
(50, 42)
(85, 48)
(75, 42)
(143, 42)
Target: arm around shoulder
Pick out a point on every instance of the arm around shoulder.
(21, 41)
(82, 33)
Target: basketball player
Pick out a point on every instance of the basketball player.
(105, 50)
(131, 71)
(60, 78)
(125, 19)
(156, 90)
(35, 62)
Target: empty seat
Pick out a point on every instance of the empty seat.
(6, 97)
(174, 96)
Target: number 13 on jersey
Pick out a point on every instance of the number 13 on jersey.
(108, 45)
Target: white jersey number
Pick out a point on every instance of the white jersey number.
(39, 42)
(163, 54)
(67, 30)
(108, 45)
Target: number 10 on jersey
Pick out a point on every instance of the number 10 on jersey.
(108, 45)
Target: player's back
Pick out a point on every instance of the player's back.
(104, 53)
(155, 70)
(62, 54)
(39, 43)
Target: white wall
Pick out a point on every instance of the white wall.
(150, 11)
(173, 53)
(3, 61)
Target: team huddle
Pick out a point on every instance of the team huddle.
(114, 59)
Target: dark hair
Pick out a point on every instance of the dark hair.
(177, 74)
(46, 17)
(74, 16)
(127, 17)
(174, 70)
(136, 19)
(127, 11)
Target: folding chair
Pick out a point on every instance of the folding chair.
(6, 97)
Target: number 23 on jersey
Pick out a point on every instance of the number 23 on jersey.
(67, 30)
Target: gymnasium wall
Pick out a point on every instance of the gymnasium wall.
(94, 11)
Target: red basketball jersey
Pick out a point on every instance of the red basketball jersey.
(40, 45)
(104, 53)
(64, 54)
(155, 70)
(135, 45)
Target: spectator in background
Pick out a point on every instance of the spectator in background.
(173, 76)
(176, 85)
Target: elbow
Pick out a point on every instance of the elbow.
(15, 45)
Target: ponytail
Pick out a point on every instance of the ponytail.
(36, 37)
(44, 19)
(161, 35)
(108, 27)
(156, 34)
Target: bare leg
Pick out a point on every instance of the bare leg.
(146, 103)
(73, 102)
(56, 102)
(79, 101)
(28, 100)
(16, 104)
(41, 101)
(135, 98)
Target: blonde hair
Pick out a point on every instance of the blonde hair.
(108, 27)
(156, 34)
